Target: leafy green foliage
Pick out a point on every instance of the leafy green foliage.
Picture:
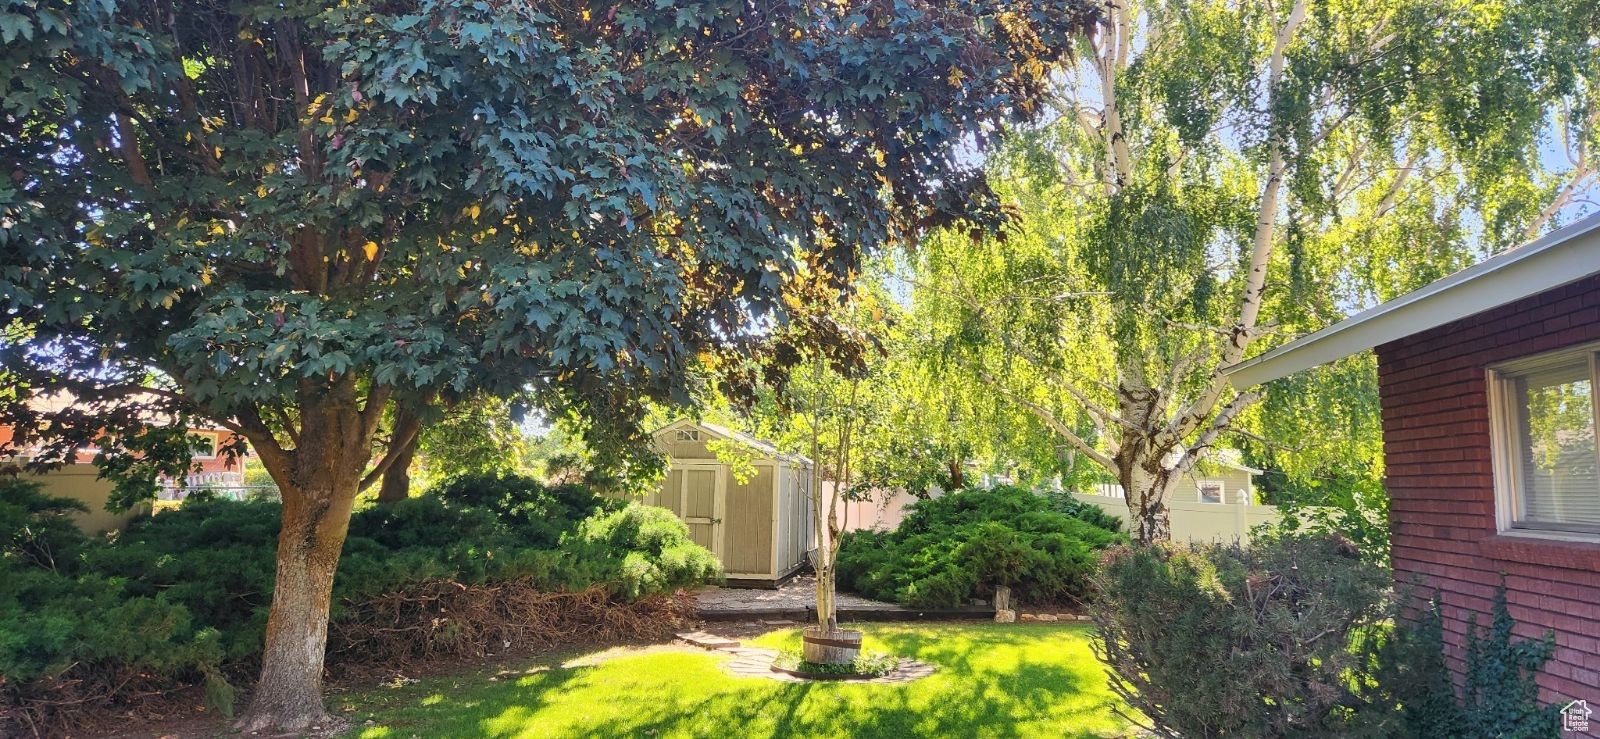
(265, 203)
(1061, 501)
(865, 378)
(1350, 504)
(1298, 636)
(478, 435)
(1276, 640)
(37, 527)
(964, 544)
(212, 558)
(61, 618)
(540, 512)
(1499, 697)
(186, 592)
(644, 550)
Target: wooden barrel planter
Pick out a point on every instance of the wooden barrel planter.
(837, 647)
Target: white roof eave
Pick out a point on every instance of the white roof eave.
(1563, 256)
(763, 446)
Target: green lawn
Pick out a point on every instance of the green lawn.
(992, 681)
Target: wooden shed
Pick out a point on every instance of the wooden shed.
(761, 528)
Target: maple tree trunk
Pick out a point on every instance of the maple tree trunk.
(396, 485)
(288, 696)
(319, 491)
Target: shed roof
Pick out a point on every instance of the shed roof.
(761, 445)
(1563, 256)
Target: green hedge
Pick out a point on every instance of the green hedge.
(961, 546)
(187, 591)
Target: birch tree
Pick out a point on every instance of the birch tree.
(1223, 175)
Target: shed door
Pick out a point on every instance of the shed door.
(702, 506)
(748, 537)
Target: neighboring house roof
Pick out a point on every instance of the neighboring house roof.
(761, 445)
(1565, 255)
(1216, 457)
(59, 400)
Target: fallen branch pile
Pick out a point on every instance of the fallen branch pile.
(449, 620)
(431, 621)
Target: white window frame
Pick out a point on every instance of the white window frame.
(214, 442)
(1505, 449)
(1200, 491)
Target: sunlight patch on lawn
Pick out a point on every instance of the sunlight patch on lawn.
(991, 680)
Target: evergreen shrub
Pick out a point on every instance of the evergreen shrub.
(965, 544)
(184, 594)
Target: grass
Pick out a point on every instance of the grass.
(992, 681)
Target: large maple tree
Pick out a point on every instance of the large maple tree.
(297, 219)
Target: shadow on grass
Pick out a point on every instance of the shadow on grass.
(989, 682)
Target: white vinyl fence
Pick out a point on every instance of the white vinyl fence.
(1192, 521)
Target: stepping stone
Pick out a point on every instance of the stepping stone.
(708, 641)
(749, 652)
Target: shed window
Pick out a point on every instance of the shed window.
(1547, 466)
(688, 435)
(1210, 491)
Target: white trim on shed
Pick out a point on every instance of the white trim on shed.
(1563, 256)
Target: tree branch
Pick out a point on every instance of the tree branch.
(128, 148)
(372, 410)
(1219, 424)
(1054, 423)
(279, 415)
(1250, 300)
(394, 452)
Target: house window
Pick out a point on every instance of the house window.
(1547, 466)
(1210, 491)
(688, 435)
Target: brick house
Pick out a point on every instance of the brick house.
(1490, 387)
(81, 481)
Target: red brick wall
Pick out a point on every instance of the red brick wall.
(1441, 484)
(217, 463)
